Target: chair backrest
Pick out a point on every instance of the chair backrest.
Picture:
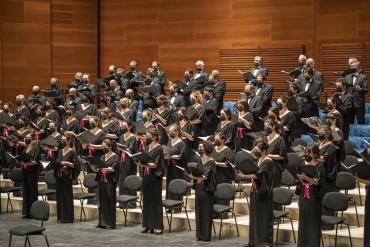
(90, 181)
(345, 181)
(335, 201)
(50, 178)
(40, 211)
(225, 191)
(282, 196)
(16, 175)
(178, 187)
(299, 142)
(287, 179)
(133, 183)
(349, 148)
(294, 161)
(350, 160)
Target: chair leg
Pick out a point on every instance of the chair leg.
(10, 240)
(214, 228)
(187, 217)
(25, 241)
(125, 214)
(322, 239)
(28, 241)
(349, 234)
(291, 222)
(219, 235)
(277, 231)
(336, 235)
(10, 203)
(358, 221)
(170, 220)
(359, 192)
(236, 224)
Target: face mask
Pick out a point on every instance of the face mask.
(39, 114)
(145, 119)
(321, 136)
(247, 94)
(222, 118)
(27, 141)
(307, 78)
(149, 141)
(207, 97)
(18, 102)
(72, 96)
(132, 68)
(62, 145)
(329, 107)
(35, 93)
(257, 154)
(217, 143)
(240, 108)
(339, 89)
(192, 101)
(48, 107)
(53, 85)
(180, 117)
(69, 113)
(104, 117)
(172, 135)
(259, 83)
(52, 130)
(124, 130)
(159, 103)
(6, 110)
(256, 65)
(268, 131)
(105, 150)
(307, 158)
(280, 106)
(353, 70)
(201, 151)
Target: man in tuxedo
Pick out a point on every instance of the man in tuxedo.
(77, 82)
(134, 103)
(189, 86)
(115, 92)
(255, 105)
(54, 92)
(310, 92)
(86, 87)
(160, 75)
(219, 88)
(257, 67)
(176, 99)
(72, 99)
(200, 75)
(357, 86)
(211, 104)
(132, 83)
(346, 105)
(264, 91)
(317, 75)
(36, 99)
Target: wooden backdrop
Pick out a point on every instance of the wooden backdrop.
(42, 38)
(179, 32)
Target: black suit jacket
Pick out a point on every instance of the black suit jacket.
(266, 96)
(358, 96)
(219, 92)
(178, 102)
(317, 76)
(346, 107)
(260, 70)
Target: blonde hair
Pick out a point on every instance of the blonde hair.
(198, 96)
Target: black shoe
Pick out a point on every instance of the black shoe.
(146, 230)
(100, 226)
(110, 228)
(199, 239)
(157, 233)
(25, 216)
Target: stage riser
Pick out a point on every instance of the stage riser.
(179, 223)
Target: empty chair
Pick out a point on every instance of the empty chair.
(178, 187)
(349, 148)
(90, 183)
(335, 201)
(16, 176)
(349, 161)
(39, 211)
(346, 181)
(50, 181)
(225, 192)
(282, 197)
(133, 184)
(287, 179)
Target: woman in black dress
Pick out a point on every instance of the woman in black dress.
(87, 109)
(65, 170)
(124, 112)
(334, 121)
(221, 154)
(152, 185)
(204, 192)
(31, 170)
(243, 126)
(186, 131)
(107, 181)
(226, 127)
(41, 123)
(127, 164)
(328, 158)
(146, 116)
(177, 157)
(50, 113)
(162, 117)
(196, 113)
(287, 120)
(70, 123)
(260, 216)
(310, 192)
(109, 126)
(276, 149)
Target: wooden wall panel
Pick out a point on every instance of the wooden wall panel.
(179, 32)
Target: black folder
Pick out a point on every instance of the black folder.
(95, 160)
(6, 119)
(309, 170)
(143, 157)
(49, 141)
(140, 128)
(85, 137)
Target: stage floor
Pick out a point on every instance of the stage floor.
(85, 234)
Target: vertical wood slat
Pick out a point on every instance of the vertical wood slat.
(274, 58)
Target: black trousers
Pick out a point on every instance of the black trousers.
(359, 114)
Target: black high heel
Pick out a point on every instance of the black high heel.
(145, 230)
